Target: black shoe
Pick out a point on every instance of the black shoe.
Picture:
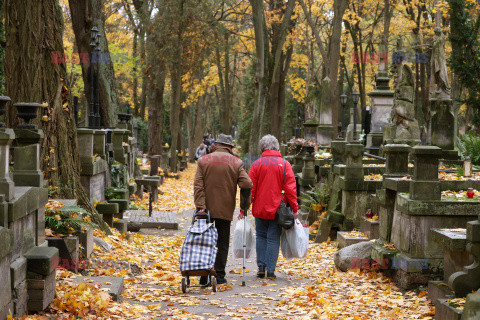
(271, 275)
(261, 272)
(221, 280)
(203, 280)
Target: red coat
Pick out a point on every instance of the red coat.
(267, 176)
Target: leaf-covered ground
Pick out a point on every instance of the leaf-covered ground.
(310, 288)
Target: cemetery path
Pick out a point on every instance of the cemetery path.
(310, 288)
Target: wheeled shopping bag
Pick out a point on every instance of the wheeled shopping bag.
(199, 251)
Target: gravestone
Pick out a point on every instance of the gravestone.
(26, 168)
(324, 128)
(382, 102)
(425, 184)
(338, 151)
(93, 169)
(443, 118)
(396, 167)
(99, 139)
(154, 165)
(396, 160)
(403, 127)
(354, 161)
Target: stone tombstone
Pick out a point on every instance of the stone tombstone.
(338, 151)
(99, 139)
(350, 127)
(396, 160)
(26, 168)
(85, 144)
(308, 170)
(165, 159)
(154, 165)
(425, 184)
(443, 123)
(382, 103)
(404, 126)
(310, 130)
(354, 161)
(117, 141)
(443, 118)
(324, 129)
(6, 184)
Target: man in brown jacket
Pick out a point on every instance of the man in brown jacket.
(215, 189)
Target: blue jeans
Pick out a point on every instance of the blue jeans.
(268, 243)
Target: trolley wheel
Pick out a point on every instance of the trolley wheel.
(184, 285)
(214, 284)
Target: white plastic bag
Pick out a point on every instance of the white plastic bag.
(294, 242)
(238, 239)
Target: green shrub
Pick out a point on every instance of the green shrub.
(65, 221)
(469, 145)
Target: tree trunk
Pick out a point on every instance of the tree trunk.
(199, 124)
(155, 107)
(339, 7)
(85, 15)
(225, 86)
(260, 47)
(135, 75)
(35, 29)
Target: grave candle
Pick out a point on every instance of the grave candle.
(470, 193)
(369, 214)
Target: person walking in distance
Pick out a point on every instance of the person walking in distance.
(215, 189)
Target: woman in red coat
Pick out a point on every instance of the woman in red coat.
(267, 176)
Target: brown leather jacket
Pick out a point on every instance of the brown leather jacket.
(216, 180)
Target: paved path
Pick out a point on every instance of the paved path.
(257, 300)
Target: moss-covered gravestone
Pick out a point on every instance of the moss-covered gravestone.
(425, 184)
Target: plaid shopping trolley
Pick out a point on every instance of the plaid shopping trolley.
(199, 251)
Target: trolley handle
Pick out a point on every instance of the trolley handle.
(205, 214)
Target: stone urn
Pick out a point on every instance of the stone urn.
(3, 108)
(27, 111)
(309, 150)
(124, 117)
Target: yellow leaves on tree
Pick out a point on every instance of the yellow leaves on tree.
(198, 87)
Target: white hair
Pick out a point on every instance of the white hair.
(269, 142)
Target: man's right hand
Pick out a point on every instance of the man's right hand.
(201, 211)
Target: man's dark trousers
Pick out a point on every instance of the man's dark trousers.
(223, 229)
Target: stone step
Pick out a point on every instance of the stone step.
(113, 285)
(370, 228)
(344, 240)
(66, 202)
(439, 290)
(159, 219)
(443, 311)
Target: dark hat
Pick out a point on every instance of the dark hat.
(224, 139)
